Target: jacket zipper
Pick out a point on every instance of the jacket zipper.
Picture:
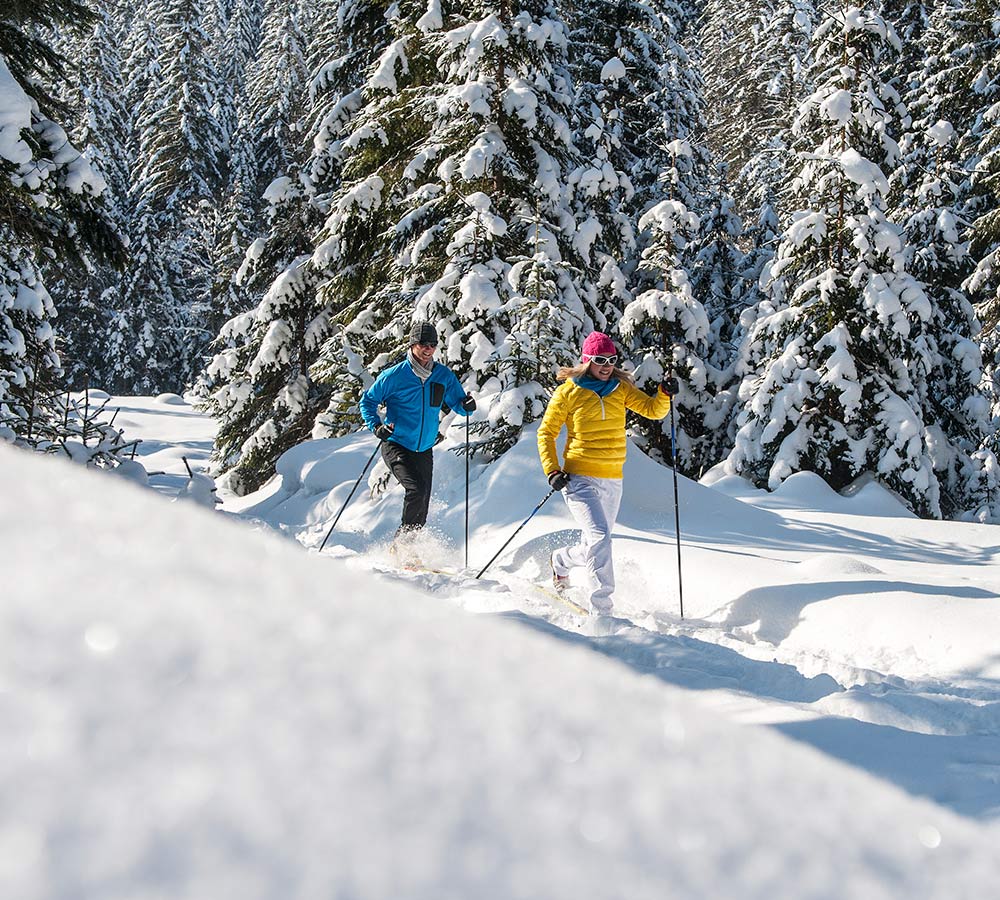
(423, 404)
(604, 413)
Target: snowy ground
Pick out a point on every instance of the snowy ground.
(195, 710)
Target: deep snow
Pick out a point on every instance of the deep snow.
(194, 710)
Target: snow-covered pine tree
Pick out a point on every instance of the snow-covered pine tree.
(236, 224)
(456, 167)
(729, 39)
(956, 89)
(910, 20)
(760, 240)
(141, 54)
(638, 89)
(954, 408)
(235, 41)
(615, 53)
(668, 330)
(655, 96)
(277, 81)
(47, 210)
(718, 278)
(751, 127)
(717, 268)
(831, 382)
(660, 114)
(981, 73)
(346, 38)
(259, 384)
(180, 169)
(957, 84)
(146, 316)
(986, 227)
(233, 31)
(763, 49)
(30, 372)
(561, 238)
(545, 320)
(86, 294)
(931, 189)
(985, 281)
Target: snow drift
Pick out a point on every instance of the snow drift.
(192, 709)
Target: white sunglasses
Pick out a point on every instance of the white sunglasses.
(603, 360)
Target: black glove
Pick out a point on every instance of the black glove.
(669, 386)
(558, 480)
(384, 432)
(469, 403)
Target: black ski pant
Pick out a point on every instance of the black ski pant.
(414, 472)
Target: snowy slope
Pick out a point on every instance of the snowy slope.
(844, 621)
(195, 710)
(852, 586)
(780, 570)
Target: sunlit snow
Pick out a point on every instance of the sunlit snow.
(195, 705)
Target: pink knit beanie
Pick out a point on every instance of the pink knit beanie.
(598, 344)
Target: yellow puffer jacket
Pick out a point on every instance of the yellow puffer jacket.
(595, 427)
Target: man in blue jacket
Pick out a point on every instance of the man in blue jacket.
(412, 392)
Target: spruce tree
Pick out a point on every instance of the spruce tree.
(981, 71)
(237, 219)
(259, 384)
(47, 211)
(88, 294)
(455, 195)
(955, 94)
(763, 48)
(947, 354)
(832, 380)
(618, 56)
(730, 41)
(668, 331)
(931, 194)
(180, 168)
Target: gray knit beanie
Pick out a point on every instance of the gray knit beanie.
(423, 333)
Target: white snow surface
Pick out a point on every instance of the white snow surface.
(941, 132)
(864, 173)
(15, 115)
(613, 70)
(194, 706)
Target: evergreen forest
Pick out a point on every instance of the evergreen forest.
(792, 205)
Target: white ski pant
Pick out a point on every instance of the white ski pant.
(594, 504)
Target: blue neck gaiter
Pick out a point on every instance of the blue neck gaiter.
(601, 388)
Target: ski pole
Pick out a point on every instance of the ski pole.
(348, 500)
(677, 511)
(466, 492)
(514, 535)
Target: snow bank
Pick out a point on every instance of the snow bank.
(170, 399)
(193, 710)
(15, 115)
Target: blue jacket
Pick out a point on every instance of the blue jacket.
(412, 406)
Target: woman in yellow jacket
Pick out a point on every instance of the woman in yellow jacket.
(591, 404)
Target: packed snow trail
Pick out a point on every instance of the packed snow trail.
(930, 739)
